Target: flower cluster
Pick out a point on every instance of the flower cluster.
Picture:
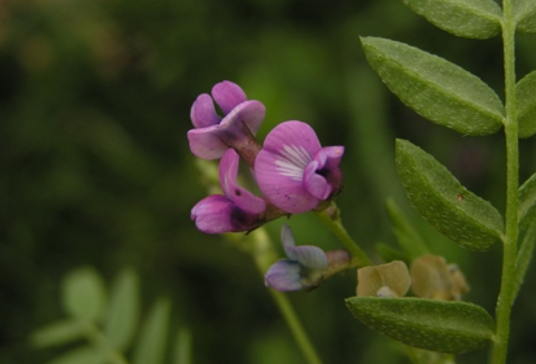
(292, 170)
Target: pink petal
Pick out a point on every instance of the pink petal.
(248, 114)
(284, 189)
(203, 113)
(280, 166)
(291, 133)
(228, 173)
(212, 214)
(228, 95)
(217, 214)
(235, 130)
(316, 184)
(205, 143)
(329, 156)
(329, 159)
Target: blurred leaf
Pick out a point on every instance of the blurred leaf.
(408, 238)
(152, 342)
(444, 326)
(456, 212)
(387, 253)
(84, 293)
(57, 333)
(479, 19)
(435, 88)
(526, 104)
(527, 202)
(122, 316)
(82, 355)
(525, 15)
(183, 347)
(422, 356)
(524, 256)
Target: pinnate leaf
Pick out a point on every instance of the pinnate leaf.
(525, 15)
(123, 311)
(444, 326)
(478, 19)
(440, 198)
(526, 104)
(527, 202)
(84, 294)
(436, 89)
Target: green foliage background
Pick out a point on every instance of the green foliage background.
(95, 167)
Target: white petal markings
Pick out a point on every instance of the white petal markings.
(292, 160)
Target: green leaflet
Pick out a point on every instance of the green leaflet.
(84, 295)
(525, 15)
(527, 202)
(151, 345)
(123, 311)
(478, 19)
(444, 326)
(459, 214)
(524, 256)
(57, 333)
(526, 104)
(183, 347)
(435, 88)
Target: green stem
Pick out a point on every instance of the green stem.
(507, 293)
(330, 217)
(264, 256)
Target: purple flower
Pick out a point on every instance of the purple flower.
(293, 170)
(213, 135)
(236, 210)
(304, 268)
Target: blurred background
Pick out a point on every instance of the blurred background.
(95, 167)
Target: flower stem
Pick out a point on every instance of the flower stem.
(330, 217)
(507, 292)
(264, 256)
